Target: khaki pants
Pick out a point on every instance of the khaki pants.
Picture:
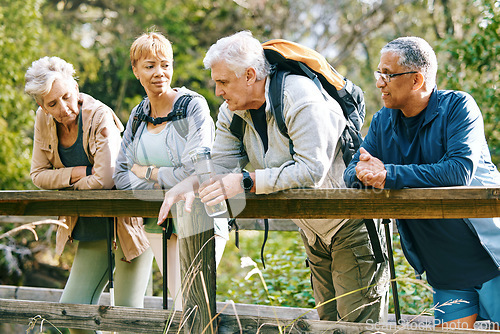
(347, 266)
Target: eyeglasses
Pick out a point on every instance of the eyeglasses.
(387, 77)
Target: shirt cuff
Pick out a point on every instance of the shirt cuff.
(260, 187)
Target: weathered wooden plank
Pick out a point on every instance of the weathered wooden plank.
(270, 325)
(305, 203)
(256, 224)
(231, 312)
(98, 203)
(452, 202)
(352, 203)
(453, 193)
(97, 317)
(54, 295)
(146, 321)
(197, 257)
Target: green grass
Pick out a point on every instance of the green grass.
(287, 277)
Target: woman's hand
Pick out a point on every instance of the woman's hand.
(139, 171)
(78, 173)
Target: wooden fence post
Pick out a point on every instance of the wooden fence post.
(197, 256)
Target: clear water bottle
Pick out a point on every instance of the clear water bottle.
(204, 168)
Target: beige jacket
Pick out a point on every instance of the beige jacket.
(101, 138)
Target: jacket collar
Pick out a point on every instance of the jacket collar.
(431, 111)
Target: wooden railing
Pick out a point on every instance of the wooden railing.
(453, 202)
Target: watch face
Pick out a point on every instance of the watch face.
(149, 171)
(247, 183)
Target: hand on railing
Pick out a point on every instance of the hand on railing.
(183, 191)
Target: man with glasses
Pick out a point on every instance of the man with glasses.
(425, 137)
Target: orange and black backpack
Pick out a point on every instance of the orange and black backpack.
(288, 57)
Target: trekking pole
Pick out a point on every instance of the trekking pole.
(111, 261)
(394, 284)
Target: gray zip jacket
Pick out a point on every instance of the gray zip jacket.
(178, 145)
(315, 122)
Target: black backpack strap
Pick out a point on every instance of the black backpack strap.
(234, 226)
(311, 75)
(374, 240)
(179, 114)
(237, 128)
(353, 102)
(266, 234)
(350, 141)
(350, 98)
(276, 89)
(139, 117)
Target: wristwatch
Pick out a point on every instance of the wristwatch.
(149, 172)
(246, 182)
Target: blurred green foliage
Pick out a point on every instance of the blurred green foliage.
(95, 36)
(17, 40)
(474, 67)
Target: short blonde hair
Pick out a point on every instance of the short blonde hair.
(151, 43)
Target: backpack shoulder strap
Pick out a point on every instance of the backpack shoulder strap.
(178, 115)
(139, 117)
(237, 128)
(375, 240)
(276, 89)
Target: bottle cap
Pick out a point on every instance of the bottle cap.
(200, 153)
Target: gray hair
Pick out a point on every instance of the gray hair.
(42, 74)
(239, 51)
(415, 54)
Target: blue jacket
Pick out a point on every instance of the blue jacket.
(451, 150)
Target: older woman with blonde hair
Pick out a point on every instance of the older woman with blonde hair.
(77, 139)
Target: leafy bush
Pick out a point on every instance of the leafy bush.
(286, 276)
